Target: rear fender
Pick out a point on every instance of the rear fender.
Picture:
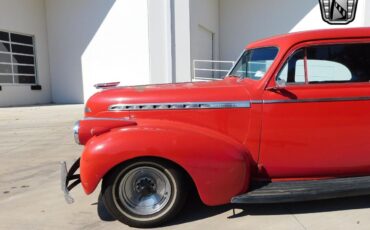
(218, 165)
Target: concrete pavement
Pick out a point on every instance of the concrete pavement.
(34, 139)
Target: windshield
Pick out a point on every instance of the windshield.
(255, 63)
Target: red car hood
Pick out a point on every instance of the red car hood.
(227, 90)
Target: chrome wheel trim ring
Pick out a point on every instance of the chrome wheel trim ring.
(144, 191)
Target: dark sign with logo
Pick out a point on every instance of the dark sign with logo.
(338, 12)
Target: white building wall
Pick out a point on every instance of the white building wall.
(367, 13)
(313, 20)
(242, 22)
(119, 51)
(83, 42)
(94, 41)
(27, 17)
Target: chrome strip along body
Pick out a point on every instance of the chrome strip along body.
(106, 119)
(224, 104)
(311, 100)
(181, 106)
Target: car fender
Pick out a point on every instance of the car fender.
(218, 165)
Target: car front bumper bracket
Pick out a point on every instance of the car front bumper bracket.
(69, 179)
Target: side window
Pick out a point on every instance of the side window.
(338, 63)
(293, 70)
(255, 63)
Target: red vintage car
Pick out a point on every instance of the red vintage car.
(291, 122)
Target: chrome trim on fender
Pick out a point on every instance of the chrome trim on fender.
(106, 85)
(87, 110)
(310, 100)
(105, 119)
(181, 106)
(76, 129)
(256, 102)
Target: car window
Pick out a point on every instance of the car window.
(327, 71)
(338, 63)
(255, 63)
(293, 70)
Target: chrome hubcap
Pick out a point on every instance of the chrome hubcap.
(145, 186)
(144, 190)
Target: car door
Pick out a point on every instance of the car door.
(318, 125)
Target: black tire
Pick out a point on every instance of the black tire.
(103, 212)
(120, 180)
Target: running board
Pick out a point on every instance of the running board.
(297, 191)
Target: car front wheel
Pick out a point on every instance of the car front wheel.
(144, 193)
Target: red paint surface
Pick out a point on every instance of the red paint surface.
(223, 149)
(214, 161)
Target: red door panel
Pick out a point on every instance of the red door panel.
(316, 131)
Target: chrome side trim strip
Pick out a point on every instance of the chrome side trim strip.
(181, 106)
(257, 102)
(105, 119)
(310, 100)
(106, 85)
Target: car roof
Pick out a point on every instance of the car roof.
(297, 37)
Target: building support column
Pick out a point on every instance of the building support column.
(160, 41)
(182, 40)
(169, 39)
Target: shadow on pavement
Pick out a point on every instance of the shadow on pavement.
(195, 210)
(341, 204)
